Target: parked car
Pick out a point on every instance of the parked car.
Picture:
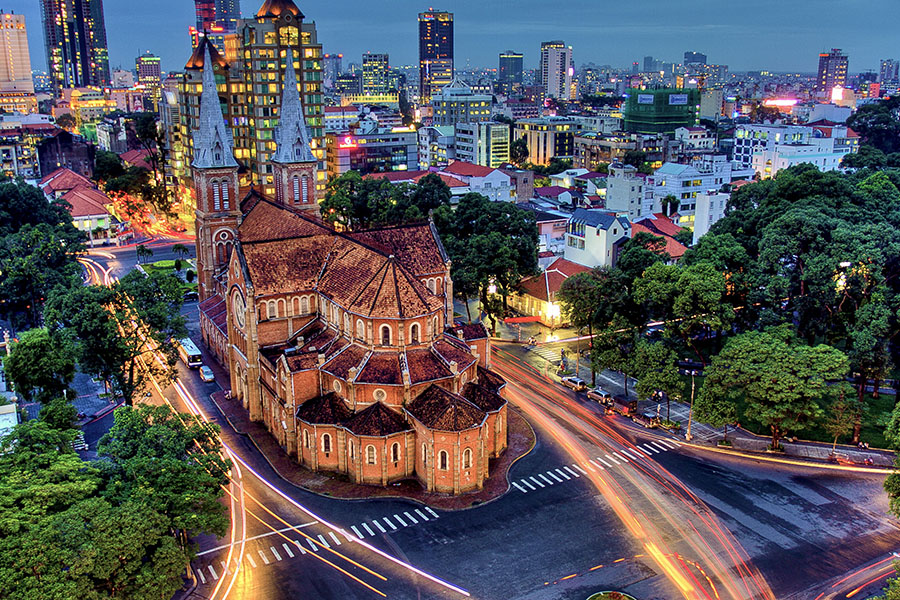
(206, 374)
(191, 296)
(624, 406)
(600, 395)
(646, 418)
(575, 383)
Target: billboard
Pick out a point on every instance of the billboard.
(645, 98)
(678, 99)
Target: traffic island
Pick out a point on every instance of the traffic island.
(521, 439)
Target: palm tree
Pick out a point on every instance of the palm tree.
(143, 253)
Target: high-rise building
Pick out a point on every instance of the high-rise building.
(649, 64)
(75, 39)
(661, 110)
(435, 52)
(227, 14)
(332, 66)
(149, 75)
(888, 70)
(694, 58)
(375, 74)
(16, 84)
(557, 69)
(205, 11)
(457, 103)
(510, 74)
(216, 19)
(832, 71)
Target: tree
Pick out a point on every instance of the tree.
(518, 151)
(892, 591)
(839, 419)
(117, 329)
(656, 371)
(613, 348)
(781, 379)
(715, 410)
(879, 124)
(107, 166)
(699, 305)
(685, 237)
(143, 253)
(670, 204)
(635, 158)
(41, 365)
(152, 138)
(580, 297)
(639, 252)
(58, 413)
(867, 157)
(66, 121)
(180, 250)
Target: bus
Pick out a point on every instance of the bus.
(189, 353)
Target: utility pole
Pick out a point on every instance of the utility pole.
(688, 435)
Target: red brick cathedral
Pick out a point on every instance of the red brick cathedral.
(341, 343)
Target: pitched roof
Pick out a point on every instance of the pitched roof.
(383, 368)
(266, 221)
(546, 285)
(551, 191)
(466, 169)
(276, 8)
(63, 180)
(86, 201)
(596, 218)
(663, 224)
(137, 158)
(324, 410)
(416, 245)
(490, 380)
(471, 331)
(674, 248)
(451, 348)
(424, 366)
(436, 408)
(350, 357)
(592, 175)
(376, 420)
(483, 397)
(198, 57)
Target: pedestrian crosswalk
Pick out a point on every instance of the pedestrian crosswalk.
(613, 458)
(274, 552)
(551, 355)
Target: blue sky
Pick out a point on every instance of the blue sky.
(780, 35)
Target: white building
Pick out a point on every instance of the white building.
(485, 143)
(338, 119)
(767, 149)
(591, 236)
(695, 139)
(710, 208)
(437, 146)
(625, 191)
(456, 103)
(492, 183)
(557, 69)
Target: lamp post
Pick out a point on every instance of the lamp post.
(688, 435)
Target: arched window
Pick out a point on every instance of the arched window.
(431, 286)
(424, 455)
(434, 326)
(272, 309)
(304, 305)
(385, 335)
(305, 194)
(350, 449)
(443, 460)
(296, 182)
(347, 324)
(306, 438)
(360, 329)
(371, 459)
(467, 459)
(395, 452)
(326, 443)
(224, 187)
(216, 196)
(414, 333)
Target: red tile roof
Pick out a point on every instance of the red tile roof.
(451, 349)
(467, 169)
(63, 180)
(483, 397)
(86, 201)
(416, 246)
(383, 368)
(673, 247)
(424, 366)
(137, 158)
(436, 408)
(376, 421)
(329, 409)
(546, 285)
(349, 357)
(471, 331)
(663, 223)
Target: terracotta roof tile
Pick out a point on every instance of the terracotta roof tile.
(467, 169)
(376, 420)
(85, 201)
(483, 397)
(416, 246)
(383, 368)
(286, 265)
(436, 408)
(471, 331)
(303, 362)
(266, 221)
(341, 363)
(490, 380)
(63, 180)
(674, 248)
(329, 409)
(137, 158)
(424, 366)
(451, 348)
(549, 282)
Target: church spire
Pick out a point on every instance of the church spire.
(291, 135)
(212, 140)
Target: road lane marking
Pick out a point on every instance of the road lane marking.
(213, 573)
(579, 468)
(224, 567)
(275, 553)
(563, 474)
(356, 531)
(669, 443)
(401, 521)
(658, 445)
(608, 466)
(391, 525)
(288, 550)
(263, 556)
(521, 489)
(651, 448)
(643, 453)
(369, 529)
(200, 573)
(596, 465)
(252, 562)
(537, 482)
(525, 481)
(312, 545)
(571, 471)
(378, 525)
(620, 457)
(335, 538)
(614, 461)
(421, 514)
(256, 537)
(677, 443)
(631, 454)
(545, 479)
(299, 547)
(553, 475)
(323, 540)
(411, 518)
(428, 508)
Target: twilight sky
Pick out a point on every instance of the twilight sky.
(775, 34)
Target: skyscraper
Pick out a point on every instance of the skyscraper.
(149, 74)
(832, 71)
(694, 58)
(889, 70)
(435, 52)
(375, 74)
(557, 69)
(510, 75)
(75, 39)
(332, 66)
(16, 86)
(216, 19)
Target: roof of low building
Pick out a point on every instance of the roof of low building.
(546, 285)
(87, 201)
(600, 219)
(483, 397)
(551, 191)
(138, 158)
(63, 180)
(328, 409)
(674, 248)
(377, 420)
(436, 408)
(466, 169)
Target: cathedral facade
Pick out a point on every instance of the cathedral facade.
(341, 343)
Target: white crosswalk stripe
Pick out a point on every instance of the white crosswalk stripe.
(356, 531)
(401, 521)
(428, 508)
(335, 538)
(224, 567)
(580, 469)
(563, 474)
(596, 465)
(275, 553)
(620, 457)
(369, 529)
(531, 487)
(668, 443)
(312, 545)
(608, 466)
(200, 573)
(554, 476)
(631, 454)
(650, 448)
(571, 471)
(545, 479)
(660, 446)
(378, 525)
(640, 452)
(252, 562)
(391, 525)
(411, 518)
(537, 482)
(324, 541)
(421, 514)
(262, 555)
(520, 488)
(299, 547)
(288, 550)
(614, 461)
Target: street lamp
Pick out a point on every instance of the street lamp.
(688, 435)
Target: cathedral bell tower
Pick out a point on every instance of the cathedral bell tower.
(293, 165)
(215, 173)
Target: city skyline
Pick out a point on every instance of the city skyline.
(793, 41)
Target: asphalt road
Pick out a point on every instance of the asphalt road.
(582, 508)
